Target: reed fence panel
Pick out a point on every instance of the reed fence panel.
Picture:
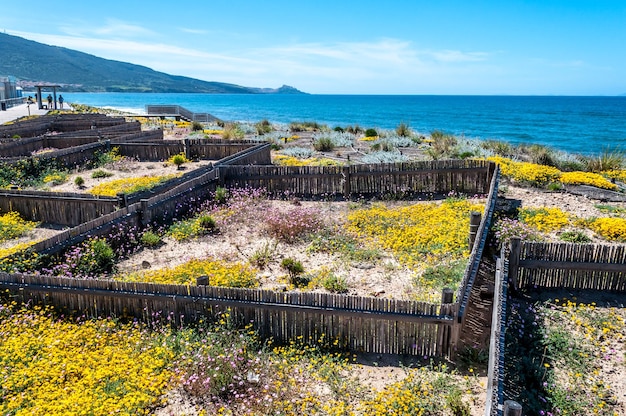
(127, 217)
(66, 209)
(497, 345)
(569, 265)
(476, 253)
(151, 151)
(399, 179)
(358, 323)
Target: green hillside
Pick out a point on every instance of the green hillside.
(77, 71)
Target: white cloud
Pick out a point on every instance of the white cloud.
(449, 56)
(315, 67)
(193, 31)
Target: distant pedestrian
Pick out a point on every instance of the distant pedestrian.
(49, 102)
(61, 101)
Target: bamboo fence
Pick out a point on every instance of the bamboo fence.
(367, 324)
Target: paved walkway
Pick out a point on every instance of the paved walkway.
(18, 111)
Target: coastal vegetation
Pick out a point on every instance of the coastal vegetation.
(108, 366)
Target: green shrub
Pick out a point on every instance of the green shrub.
(335, 284)
(197, 126)
(150, 239)
(96, 257)
(178, 160)
(575, 237)
(221, 195)
(97, 174)
(206, 223)
(79, 181)
(323, 144)
(294, 269)
(371, 133)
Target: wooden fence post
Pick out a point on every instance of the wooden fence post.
(475, 218)
(146, 214)
(447, 295)
(346, 185)
(511, 408)
(187, 148)
(122, 200)
(514, 254)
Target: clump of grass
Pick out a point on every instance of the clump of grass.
(100, 173)
(335, 284)
(574, 237)
(609, 159)
(263, 127)
(441, 145)
(403, 130)
(150, 239)
(298, 126)
(232, 131)
(323, 144)
(263, 256)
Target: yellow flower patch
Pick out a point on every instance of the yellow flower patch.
(284, 160)
(13, 226)
(526, 172)
(220, 273)
(129, 185)
(613, 229)
(419, 233)
(544, 219)
(619, 175)
(587, 178)
(98, 367)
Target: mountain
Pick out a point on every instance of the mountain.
(33, 63)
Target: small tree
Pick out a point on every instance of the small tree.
(178, 160)
(79, 181)
(294, 269)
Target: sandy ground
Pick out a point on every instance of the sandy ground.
(239, 242)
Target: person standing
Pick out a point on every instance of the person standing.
(61, 102)
(49, 102)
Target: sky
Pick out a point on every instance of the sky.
(478, 47)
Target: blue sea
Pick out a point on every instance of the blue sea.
(583, 125)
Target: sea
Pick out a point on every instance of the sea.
(573, 124)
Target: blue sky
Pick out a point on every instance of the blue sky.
(538, 47)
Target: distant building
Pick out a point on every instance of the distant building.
(10, 94)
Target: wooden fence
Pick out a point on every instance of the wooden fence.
(191, 148)
(395, 179)
(568, 265)
(476, 252)
(68, 209)
(128, 216)
(360, 324)
(495, 369)
(58, 123)
(594, 267)
(368, 324)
